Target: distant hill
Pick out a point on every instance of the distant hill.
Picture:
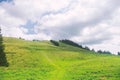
(41, 60)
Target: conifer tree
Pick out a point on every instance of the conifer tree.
(3, 61)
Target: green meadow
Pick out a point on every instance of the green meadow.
(41, 60)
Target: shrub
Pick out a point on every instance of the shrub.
(104, 52)
(54, 42)
(70, 43)
(118, 53)
(87, 48)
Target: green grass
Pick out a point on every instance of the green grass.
(43, 61)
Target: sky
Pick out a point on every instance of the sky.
(94, 23)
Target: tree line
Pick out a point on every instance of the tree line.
(69, 42)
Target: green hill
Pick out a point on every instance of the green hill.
(42, 60)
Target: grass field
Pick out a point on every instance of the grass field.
(30, 60)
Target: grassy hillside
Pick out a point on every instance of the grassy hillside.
(43, 61)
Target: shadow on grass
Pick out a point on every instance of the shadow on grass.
(3, 60)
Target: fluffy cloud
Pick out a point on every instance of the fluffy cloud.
(95, 23)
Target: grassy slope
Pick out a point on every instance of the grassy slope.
(42, 61)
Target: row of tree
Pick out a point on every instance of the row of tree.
(54, 42)
(104, 52)
(69, 42)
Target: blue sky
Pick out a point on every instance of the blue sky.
(95, 23)
(29, 26)
(5, 0)
(2, 0)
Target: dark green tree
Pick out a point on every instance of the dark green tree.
(104, 52)
(87, 48)
(118, 53)
(100, 51)
(55, 43)
(93, 50)
(69, 42)
(3, 61)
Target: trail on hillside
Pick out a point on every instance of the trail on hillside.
(58, 73)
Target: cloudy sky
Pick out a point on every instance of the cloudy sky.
(95, 23)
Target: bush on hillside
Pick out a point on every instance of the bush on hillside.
(104, 52)
(99, 51)
(93, 50)
(69, 42)
(35, 40)
(87, 48)
(21, 38)
(118, 53)
(55, 43)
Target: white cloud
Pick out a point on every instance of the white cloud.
(95, 23)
